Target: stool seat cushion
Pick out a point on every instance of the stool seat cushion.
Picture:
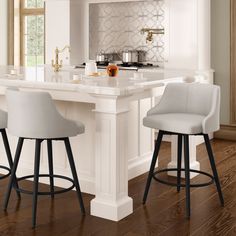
(3, 119)
(184, 123)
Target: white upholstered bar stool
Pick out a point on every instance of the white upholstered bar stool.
(33, 115)
(185, 109)
(3, 126)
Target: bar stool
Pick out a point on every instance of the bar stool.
(3, 126)
(185, 109)
(33, 115)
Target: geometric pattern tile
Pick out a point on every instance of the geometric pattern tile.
(114, 27)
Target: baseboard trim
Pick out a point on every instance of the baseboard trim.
(139, 165)
(226, 132)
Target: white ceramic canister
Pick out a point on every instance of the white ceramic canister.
(90, 68)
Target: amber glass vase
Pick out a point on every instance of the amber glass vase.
(112, 70)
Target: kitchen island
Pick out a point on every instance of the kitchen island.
(115, 147)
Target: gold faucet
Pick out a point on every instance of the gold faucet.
(150, 32)
(58, 65)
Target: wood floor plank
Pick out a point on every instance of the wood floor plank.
(222, 221)
(226, 171)
(232, 232)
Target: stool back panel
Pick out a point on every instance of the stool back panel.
(34, 115)
(200, 99)
(173, 100)
(196, 98)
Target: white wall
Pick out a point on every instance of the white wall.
(3, 32)
(76, 32)
(221, 53)
(57, 28)
(64, 27)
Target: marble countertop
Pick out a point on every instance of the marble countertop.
(70, 79)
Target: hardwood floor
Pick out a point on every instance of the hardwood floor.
(164, 213)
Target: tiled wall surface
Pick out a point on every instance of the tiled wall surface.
(116, 26)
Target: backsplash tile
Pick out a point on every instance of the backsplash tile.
(114, 27)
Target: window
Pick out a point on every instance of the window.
(31, 32)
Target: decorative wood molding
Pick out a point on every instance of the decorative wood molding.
(232, 62)
(10, 26)
(226, 132)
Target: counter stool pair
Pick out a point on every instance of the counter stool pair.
(33, 115)
(184, 110)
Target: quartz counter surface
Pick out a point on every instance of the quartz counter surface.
(43, 77)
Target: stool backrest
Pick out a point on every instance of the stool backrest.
(32, 114)
(192, 98)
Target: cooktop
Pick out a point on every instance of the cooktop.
(124, 66)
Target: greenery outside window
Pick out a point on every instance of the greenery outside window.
(31, 32)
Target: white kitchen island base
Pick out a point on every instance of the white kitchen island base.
(116, 210)
(194, 164)
(115, 147)
(111, 173)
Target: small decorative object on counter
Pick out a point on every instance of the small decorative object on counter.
(90, 68)
(112, 70)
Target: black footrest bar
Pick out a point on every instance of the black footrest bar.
(49, 192)
(155, 176)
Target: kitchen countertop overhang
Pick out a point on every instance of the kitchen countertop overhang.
(43, 77)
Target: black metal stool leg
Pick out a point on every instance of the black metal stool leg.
(213, 167)
(74, 173)
(153, 164)
(13, 172)
(50, 165)
(179, 157)
(9, 156)
(187, 173)
(36, 180)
